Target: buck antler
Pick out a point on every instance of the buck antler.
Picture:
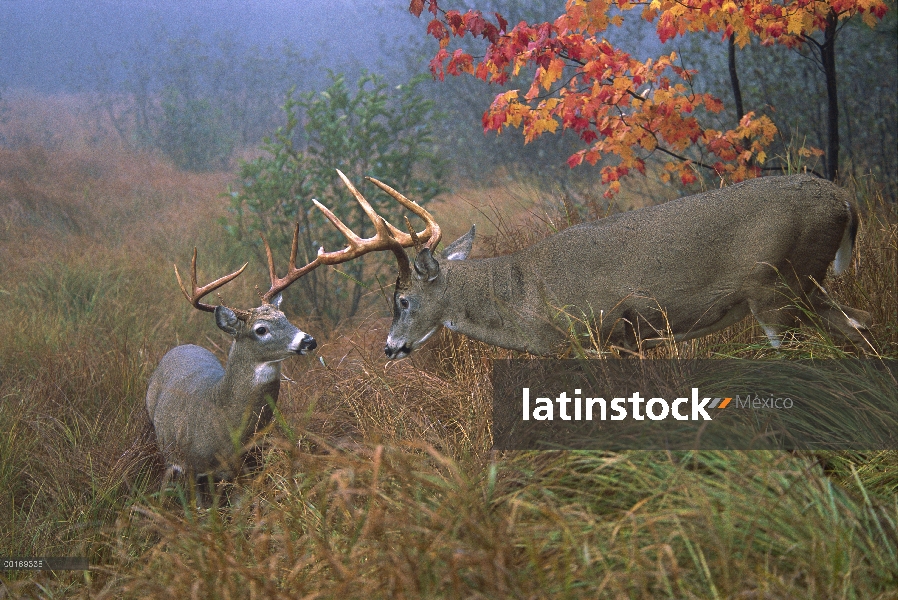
(199, 292)
(432, 233)
(387, 237)
(279, 284)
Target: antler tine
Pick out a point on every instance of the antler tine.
(350, 236)
(432, 232)
(411, 231)
(372, 214)
(385, 237)
(199, 292)
(279, 284)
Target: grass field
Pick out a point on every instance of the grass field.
(380, 481)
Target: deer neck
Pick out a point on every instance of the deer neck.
(485, 300)
(248, 389)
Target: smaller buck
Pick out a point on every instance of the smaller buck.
(679, 270)
(204, 414)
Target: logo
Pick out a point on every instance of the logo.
(617, 409)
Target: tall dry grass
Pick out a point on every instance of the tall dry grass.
(379, 481)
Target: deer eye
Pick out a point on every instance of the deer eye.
(260, 330)
(403, 303)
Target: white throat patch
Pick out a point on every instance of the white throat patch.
(267, 372)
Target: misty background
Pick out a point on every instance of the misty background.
(49, 45)
(220, 72)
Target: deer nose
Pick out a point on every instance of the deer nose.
(308, 343)
(393, 353)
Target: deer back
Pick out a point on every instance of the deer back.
(686, 267)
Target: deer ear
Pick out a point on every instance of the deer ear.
(460, 248)
(276, 301)
(226, 320)
(426, 266)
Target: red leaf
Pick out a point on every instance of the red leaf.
(503, 24)
(775, 30)
(456, 22)
(687, 176)
(474, 23)
(436, 64)
(575, 159)
(461, 62)
(416, 7)
(589, 136)
(493, 121)
(437, 29)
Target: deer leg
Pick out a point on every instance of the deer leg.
(203, 488)
(620, 332)
(171, 472)
(773, 317)
(846, 323)
(253, 460)
(773, 333)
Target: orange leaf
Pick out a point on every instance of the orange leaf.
(552, 73)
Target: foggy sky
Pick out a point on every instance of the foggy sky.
(45, 44)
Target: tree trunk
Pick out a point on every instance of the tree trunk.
(828, 58)
(734, 78)
(737, 89)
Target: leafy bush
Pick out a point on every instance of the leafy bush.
(372, 130)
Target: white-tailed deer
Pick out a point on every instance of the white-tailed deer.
(678, 270)
(203, 413)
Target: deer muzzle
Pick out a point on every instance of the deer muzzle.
(400, 347)
(303, 343)
(396, 352)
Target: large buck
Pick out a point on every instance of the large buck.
(203, 413)
(679, 270)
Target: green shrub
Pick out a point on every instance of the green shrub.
(372, 130)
